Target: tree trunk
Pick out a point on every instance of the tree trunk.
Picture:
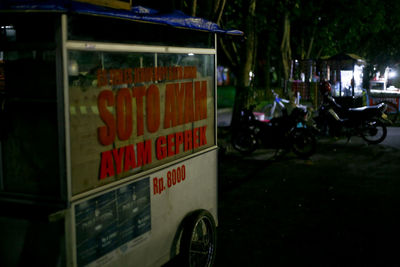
(268, 69)
(286, 50)
(194, 8)
(310, 45)
(219, 14)
(250, 50)
(242, 88)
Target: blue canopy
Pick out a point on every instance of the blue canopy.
(138, 13)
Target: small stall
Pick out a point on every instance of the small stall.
(345, 72)
(382, 89)
(108, 148)
(303, 79)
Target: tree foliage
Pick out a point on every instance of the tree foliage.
(279, 30)
(315, 28)
(368, 28)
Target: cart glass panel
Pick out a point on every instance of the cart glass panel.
(29, 148)
(100, 29)
(131, 112)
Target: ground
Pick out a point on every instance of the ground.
(338, 208)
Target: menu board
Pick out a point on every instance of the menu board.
(107, 222)
(131, 112)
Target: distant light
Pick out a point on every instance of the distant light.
(73, 68)
(392, 74)
(251, 75)
(190, 54)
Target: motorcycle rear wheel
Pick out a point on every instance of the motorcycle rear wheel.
(244, 142)
(303, 142)
(373, 132)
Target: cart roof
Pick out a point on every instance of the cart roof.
(175, 18)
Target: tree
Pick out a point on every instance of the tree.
(277, 31)
(240, 54)
(285, 47)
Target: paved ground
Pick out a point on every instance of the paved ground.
(339, 208)
(224, 117)
(393, 137)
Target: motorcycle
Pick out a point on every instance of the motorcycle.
(285, 132)
(368, 122)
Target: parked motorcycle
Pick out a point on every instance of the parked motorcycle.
(368, 122)
(286, 132)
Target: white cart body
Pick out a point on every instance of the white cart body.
(108, 133)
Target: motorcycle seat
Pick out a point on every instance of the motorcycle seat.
(361, 109)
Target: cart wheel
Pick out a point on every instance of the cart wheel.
(198, 243)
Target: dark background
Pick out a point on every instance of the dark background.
(338, 208)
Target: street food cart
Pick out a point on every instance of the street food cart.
(379, 92)
(108, 153)
(345, 71)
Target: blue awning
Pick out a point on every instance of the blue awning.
(138, 13)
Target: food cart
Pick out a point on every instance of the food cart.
(345, 71)
(108, 153)
(379, 92)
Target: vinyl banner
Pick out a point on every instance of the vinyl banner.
(112, 220)
(131, 112)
